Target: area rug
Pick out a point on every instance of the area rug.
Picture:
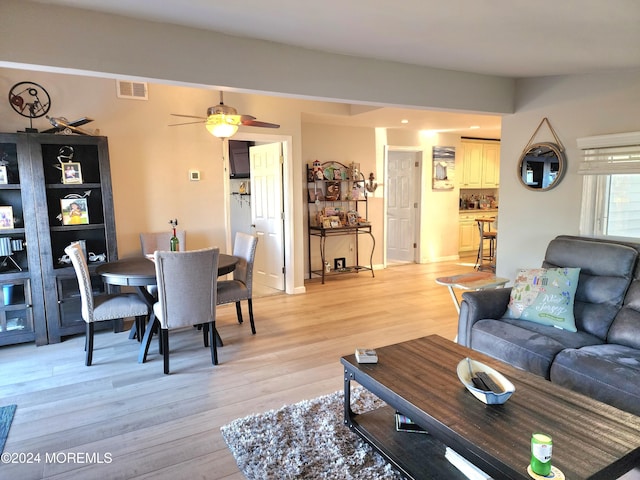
(6, 417)
(307, 440)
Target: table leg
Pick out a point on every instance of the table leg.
(455, 299)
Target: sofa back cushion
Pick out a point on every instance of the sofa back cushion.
(625, 329)
(606, 271)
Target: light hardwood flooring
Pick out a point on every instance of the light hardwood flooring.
(147, 425)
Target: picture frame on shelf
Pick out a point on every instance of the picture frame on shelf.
(71, 173)
(6, 217)
(74, 211)
(339, 263)
(352, 218)
(4, 179)
(333, 191)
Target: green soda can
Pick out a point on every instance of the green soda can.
(541, 446)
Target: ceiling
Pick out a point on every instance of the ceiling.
(512, 38)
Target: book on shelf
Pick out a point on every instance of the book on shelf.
(405, 424)
(366, 355)
(465, 466)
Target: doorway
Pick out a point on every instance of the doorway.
(402, 212)
(266, 205)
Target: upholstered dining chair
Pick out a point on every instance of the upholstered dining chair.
(241, 287)
(102, 307)
(187, 284)
(152, 241)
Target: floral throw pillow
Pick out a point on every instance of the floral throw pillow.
(545, 295)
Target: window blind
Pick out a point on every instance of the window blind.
(610, 154)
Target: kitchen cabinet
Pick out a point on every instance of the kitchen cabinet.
(480, 164)
(46, 175)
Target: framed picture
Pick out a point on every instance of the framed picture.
(444, 163)
(4, 179)
(6, 217)
(352, 218)
(74, 211)
(339, 263)
(333, 191)
(71, 173)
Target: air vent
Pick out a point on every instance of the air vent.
(132, 90)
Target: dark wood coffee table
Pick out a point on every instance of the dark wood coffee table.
(591, 440)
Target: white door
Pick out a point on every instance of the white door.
(402, 172)
(266, 214)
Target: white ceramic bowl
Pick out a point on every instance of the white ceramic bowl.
(467, 369)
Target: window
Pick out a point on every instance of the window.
(611, 188)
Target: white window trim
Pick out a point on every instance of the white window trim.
(597, 166)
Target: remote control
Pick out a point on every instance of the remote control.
(488, 381)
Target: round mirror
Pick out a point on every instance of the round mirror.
(541, 166)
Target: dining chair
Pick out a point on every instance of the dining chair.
(241, 287)
(102, 307)
(152, 241)
(187, 284)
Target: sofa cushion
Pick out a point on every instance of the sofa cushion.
(545, 295)
(606, 270)
(525, 345)
(604, 372)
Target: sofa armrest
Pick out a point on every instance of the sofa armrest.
(478, 305)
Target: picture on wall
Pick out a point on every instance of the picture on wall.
(4, 179)
(74, 211)
(71, 172)
(444, 164)
(6, 217)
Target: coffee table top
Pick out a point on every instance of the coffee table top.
(418, 377)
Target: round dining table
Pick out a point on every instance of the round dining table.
(140, 272)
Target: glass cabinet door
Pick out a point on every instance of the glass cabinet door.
(20, 279)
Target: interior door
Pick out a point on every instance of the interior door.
(401, 205)
(267, 213)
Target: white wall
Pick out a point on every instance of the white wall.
(109, 44)
(576, 106)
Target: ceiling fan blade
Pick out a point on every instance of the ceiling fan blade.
(186, 123)
(257, 123)
(188, 116)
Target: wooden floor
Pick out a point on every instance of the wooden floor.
(142, 424)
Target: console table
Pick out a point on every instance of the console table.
(591, 440)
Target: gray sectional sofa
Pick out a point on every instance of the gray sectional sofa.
(601, 359)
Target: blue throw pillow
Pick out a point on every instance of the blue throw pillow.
(545, 295)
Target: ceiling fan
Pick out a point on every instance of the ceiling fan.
(223, 121)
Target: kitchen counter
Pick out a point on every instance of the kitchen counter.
(479, 210)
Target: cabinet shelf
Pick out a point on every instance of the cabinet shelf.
(336, 202)
(37, 311)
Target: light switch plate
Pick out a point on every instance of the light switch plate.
(194, 175)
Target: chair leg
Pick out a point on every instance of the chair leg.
(239, 312)
(253, 326)
(164, 334)
(89, 344)
(211, 327)
(146, 342)
(205, 333)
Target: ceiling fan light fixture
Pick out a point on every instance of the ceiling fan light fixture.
(223, 126)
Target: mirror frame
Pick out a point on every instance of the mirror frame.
(559, 153)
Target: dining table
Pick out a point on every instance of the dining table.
(140, 272)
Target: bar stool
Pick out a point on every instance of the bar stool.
(491, 237)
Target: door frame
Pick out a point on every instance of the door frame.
(417, 198)
(287, 194)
